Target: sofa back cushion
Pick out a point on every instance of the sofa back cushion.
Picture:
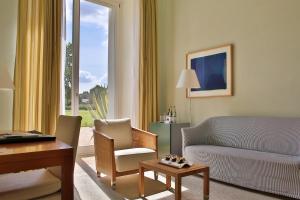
(268, 134)
(117, 129)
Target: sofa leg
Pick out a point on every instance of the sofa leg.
(155, 175)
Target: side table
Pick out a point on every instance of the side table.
(177, 173)
(169, 137)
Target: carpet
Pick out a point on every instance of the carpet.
(90, 187)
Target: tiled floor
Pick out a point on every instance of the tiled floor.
(86, 136)
(90, 187)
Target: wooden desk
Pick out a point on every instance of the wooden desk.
(35, 155)
(177, 173)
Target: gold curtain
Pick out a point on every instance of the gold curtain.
(37, 69)
(148, 72)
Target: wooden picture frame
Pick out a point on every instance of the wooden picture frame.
(213, 68)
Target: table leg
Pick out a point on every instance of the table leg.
(177, 188)
(168, 182)
(206, 185)
(141, 182)
(67, 177)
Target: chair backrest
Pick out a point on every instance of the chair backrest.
(67, 131)
(118, 129)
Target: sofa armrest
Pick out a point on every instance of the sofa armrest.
(144, 139)
(104, 153)
(192, 136)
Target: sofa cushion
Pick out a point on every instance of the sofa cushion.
(269, 172)
(119, 130)
(128, 159)
(28, 185)
(202, 150)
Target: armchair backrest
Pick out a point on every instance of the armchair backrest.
(117, 129)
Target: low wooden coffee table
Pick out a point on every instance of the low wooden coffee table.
(177, 173)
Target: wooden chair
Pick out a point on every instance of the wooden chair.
(67, 131)
(119, 148)
(42, 183)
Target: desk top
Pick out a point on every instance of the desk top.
(36, 155)
(10, 152)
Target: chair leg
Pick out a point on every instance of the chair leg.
(98, 174)
(113, 182)
(113, 185)
(155, 175)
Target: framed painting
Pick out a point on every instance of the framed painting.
(213, 68)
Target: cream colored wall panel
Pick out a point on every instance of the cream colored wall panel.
(8, 24)
(165, 48)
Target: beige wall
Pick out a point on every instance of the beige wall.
(8, 24)
(266, 39)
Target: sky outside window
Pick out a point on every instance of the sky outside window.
(94, 20)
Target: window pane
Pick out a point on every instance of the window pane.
(93, 68)
(68, 60)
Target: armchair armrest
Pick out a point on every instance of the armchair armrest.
(104, 153)
(144, 139)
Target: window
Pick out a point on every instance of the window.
(89, 63)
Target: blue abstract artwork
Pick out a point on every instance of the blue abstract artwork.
(213, 68)
(211, 72)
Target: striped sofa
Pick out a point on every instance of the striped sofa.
(261, 153)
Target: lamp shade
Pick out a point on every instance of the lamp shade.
(188, 79)
(6, 82)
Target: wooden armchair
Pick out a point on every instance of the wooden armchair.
(119, 148)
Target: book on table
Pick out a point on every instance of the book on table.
(17, 137)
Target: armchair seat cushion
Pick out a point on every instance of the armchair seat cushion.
(28, 185)
(128, 159)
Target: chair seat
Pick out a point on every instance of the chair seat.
(128, 159)
(28, 185)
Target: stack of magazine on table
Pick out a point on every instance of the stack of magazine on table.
(175, 161)
(18, 137)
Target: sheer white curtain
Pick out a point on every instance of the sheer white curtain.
(135, 68)
(63, 56)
